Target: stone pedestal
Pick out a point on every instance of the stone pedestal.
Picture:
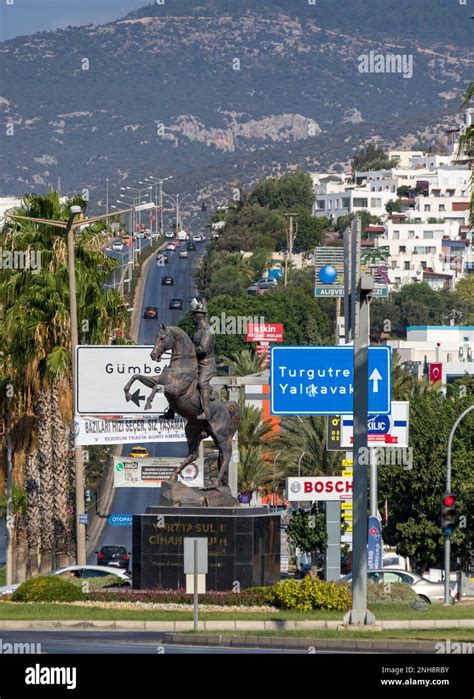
(175, 494)
(244, 546)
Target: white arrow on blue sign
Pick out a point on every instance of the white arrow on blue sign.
(120, 520)
(320, 380)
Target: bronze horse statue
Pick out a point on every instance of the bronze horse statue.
(179, 381)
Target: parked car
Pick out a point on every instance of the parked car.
(430, 592)
(267, 283)
(139, 453)
(117, 245)
(183, 254)
(150, 312)
(176, 304)
(117, 556)
(253, 290)
(85, 572)
(167, 281)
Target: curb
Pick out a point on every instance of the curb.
(308, 645)
(177, 626)
(139, 292)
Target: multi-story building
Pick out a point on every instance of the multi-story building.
(450, 345)
(422, 252)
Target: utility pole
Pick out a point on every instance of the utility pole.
(78, 455)
(9, 513)
(361, 290)
(289, 240)
(447, 539)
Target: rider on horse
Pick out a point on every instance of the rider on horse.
(204, 342)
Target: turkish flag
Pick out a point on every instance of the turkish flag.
(436, 372)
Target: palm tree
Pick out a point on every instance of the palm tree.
(36, 343)
(245, 362)
(466, 143)
(257, 441)
(305, 438)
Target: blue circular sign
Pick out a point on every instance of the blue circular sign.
(379, 424)
(327, 274)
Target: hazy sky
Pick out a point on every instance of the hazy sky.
(28, 16)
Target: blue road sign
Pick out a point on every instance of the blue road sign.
(83, 519)
(120, 520)
(374, 544)
(320, 380)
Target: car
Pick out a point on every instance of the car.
(167, 281)
(150, 312)
(169, 234)
(126, 240)
(198, 238)
(177, 243)
(141, 234)
(139, 453)
(85, 572)
(171, 247)
(116, 556)
(117, 245)
(191, 246)
(183, 254)
(429, 592)
(162, 257)
(267, 283)
(253, 290)
(176, 304)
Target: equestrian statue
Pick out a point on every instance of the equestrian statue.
(186, 385)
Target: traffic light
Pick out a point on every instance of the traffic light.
(448, 513)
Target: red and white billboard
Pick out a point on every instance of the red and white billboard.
(265, 332)
(318, 488)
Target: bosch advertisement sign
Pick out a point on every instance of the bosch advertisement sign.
(319, 488)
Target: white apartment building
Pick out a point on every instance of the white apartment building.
(403, 157)
(452, 345)
(335, 198)
(423, 252)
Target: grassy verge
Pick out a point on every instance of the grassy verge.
(141, 259)
(46, 611)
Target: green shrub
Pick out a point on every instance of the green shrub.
(99, 583)
(310, 593)
(47, 588)
(394, 593)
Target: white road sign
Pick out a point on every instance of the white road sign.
(382, 430)
(150, 472)
(102, 372)
(318, 488)
(132, 430)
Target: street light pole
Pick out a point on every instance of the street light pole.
(447, 539)
(290, 241)
(78, 456)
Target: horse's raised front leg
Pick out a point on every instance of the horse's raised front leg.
(152, 382)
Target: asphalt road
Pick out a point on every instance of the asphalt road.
(136, 500)
(117, 642)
